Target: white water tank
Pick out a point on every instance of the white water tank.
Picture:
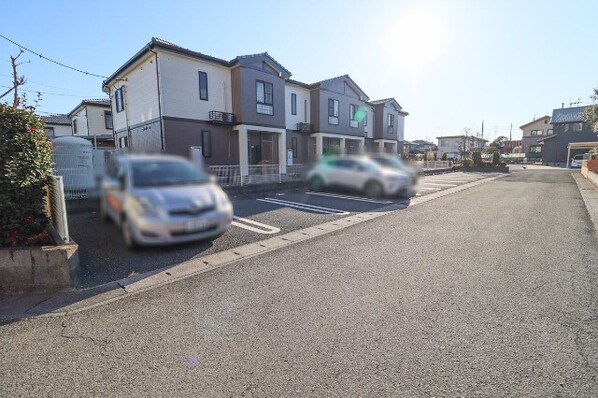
(74, 162)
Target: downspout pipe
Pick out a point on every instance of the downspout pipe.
(163, 145)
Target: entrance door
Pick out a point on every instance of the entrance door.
(267, 149)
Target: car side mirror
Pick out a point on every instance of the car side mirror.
(213, 179)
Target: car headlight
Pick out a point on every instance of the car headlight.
(143, 204)
(223, 201)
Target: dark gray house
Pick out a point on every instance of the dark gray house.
(569, 127)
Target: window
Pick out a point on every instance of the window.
(206, 143)
(537, 132)
(108, 120)
(390, 123)
(49, 132)
(75, 126)
(293, 104)
(535, 149)
(305, 111)
(365, 118)
(549, 132)
(123, 142)
(332, 111)
(577, 127)
(118, 98)
(264, 97)
(203, 86)
(294, 147)
(352, 112)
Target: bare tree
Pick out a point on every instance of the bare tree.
(16, 80)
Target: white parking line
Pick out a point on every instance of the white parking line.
(430, 189)
(440, 185)
(263, 228)
(449, 181)
(304, 206)
(334, 195)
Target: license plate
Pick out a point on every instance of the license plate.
(196, 225)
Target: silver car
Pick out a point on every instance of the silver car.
(396, 163)
(361, 174)
(160, 200)
(577, 161)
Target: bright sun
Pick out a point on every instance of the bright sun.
(419, 35)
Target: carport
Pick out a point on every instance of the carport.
(578, 146)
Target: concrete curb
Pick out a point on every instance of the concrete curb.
(128, 287)
(589, 194)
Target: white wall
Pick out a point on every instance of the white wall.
(302, 96)
(369, 129)
(140, 94)
(96, 120)
(401, 127)
(179, 85)
(60, 129)
(81, 121)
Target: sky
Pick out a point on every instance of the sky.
(451, 64)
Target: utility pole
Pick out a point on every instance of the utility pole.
(510, 132)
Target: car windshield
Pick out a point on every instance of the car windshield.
(157, 173)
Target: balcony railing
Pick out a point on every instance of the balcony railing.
(222, 117)
(305, 127)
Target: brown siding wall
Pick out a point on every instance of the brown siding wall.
(180, 134)
(302, 146)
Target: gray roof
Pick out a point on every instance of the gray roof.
(422, 142)
(57, 119)
(104, 102)
(568, 115)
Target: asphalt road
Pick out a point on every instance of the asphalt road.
(104, 257)
(489, 292)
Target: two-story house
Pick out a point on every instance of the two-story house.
(457, 145)
(92, 120)
(569, 127)
(533, 132)
(246, 112)
(389, 125)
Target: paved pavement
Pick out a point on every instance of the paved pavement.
(104, 258)
(487, 292)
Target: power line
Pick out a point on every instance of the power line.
(58, 94)
(51, 60)
(43, 85)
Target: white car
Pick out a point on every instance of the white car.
(359, 173)
(576, 161)
(160, 200)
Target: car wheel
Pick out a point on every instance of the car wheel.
(128, 235)
(374, 189)
(316, 183)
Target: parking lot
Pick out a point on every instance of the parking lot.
(104, 257)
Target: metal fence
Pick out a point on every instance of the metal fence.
(57, 205)
(258, 174)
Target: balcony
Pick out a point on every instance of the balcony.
(222, 117)
(305, 127)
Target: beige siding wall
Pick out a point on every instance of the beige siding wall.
(96, 120)
(539, 124)
(81, 121)
(179, 84)
(140, 94)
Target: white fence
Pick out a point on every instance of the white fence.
(57, 206)
(81, 170)
(433, 165)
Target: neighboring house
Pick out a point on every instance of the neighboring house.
(389, 123)
(92, 120)
(246, 112)
(510, 145)
(57, 125)
(421, 146)
(456, 145)
(569, 127)
(533, 132)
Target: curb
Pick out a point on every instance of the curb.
(131, 286)
(585, 188)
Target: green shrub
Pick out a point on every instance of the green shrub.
(495, 158)
(425, 156)
(502, 164)
(467, 162)
(25, 168)
(435, 156)
(443, 156)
